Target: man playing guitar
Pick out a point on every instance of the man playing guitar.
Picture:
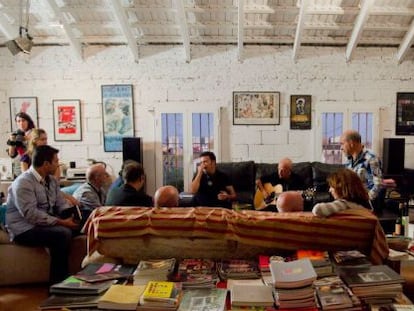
(281, 180)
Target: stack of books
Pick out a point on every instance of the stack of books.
(250, 293)
(121, 297)
(207, 299)
(319, 259)
(197, 273)
(238, 269)
(349, 260)
(160, 295)
(95, 272)
(154, 270)
(74, 286)
(333, 294)
(374, 284)
(84, 289)
(293, 283)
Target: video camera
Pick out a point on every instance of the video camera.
(17, 139)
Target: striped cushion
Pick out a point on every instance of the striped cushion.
(350, 229)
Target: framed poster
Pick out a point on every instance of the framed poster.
(117, 115)
(300, 112)
(23, 104)
(256, 108)
(404, 120)
(67, 120)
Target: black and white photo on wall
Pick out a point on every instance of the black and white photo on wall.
(404, 119)
(300, 112)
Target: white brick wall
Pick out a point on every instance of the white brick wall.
(163, 78)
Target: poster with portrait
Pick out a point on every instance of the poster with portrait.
(23, 104)
(67, 120)
(300, 112)
(118, 114)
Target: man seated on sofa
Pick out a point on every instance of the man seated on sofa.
(287, 180)
(131, 192)
(210, 186)
(92, 193)
(35, 208)
(166, 196)
(363, 162)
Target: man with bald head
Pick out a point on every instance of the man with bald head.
(166, 196)
(284, 177)
(363, 162)
(92, 193)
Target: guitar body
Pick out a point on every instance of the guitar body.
(260, 202)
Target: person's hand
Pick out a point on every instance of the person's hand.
(71, 199)
(68, 222)
(201, 168)
(223, 195)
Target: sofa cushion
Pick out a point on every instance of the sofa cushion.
(320, 172)
(303, 169)
(241, 175)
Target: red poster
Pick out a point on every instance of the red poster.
(67, 120)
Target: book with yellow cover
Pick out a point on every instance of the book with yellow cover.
(162, 295)
(121, 297)
(159, 290)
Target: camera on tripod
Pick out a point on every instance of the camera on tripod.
(18, 138)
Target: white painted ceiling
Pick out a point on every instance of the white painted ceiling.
(346, 23)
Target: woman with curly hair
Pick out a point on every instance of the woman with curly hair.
(38, 137)
(347, 190)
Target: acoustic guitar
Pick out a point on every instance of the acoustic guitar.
(260, 202)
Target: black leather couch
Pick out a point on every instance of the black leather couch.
(244, 174)
(314, 174)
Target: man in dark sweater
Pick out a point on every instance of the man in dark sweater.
(284, 178)
(131, 193)
(210, 186)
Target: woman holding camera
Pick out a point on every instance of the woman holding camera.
(18, 140)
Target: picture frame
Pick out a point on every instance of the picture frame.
(256, 108)
(300, 112)
(23, 104)
(67, 125)
(404, 119)
(117, 115)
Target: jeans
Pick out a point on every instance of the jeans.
(58, 240)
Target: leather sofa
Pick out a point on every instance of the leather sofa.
(244, 174)
(314, 174)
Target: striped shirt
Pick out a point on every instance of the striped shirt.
(325, 209)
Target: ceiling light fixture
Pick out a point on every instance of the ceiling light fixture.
(24, 42)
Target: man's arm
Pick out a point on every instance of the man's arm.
(230, 195)
(375, 170)
(26, 194)
(195, 184)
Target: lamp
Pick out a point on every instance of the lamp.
(23, 43)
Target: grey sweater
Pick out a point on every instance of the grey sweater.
(31, 203)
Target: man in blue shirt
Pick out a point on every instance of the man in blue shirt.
(363, 162)
(36, 208)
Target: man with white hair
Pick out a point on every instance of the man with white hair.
(92, 193)
(166, 196)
